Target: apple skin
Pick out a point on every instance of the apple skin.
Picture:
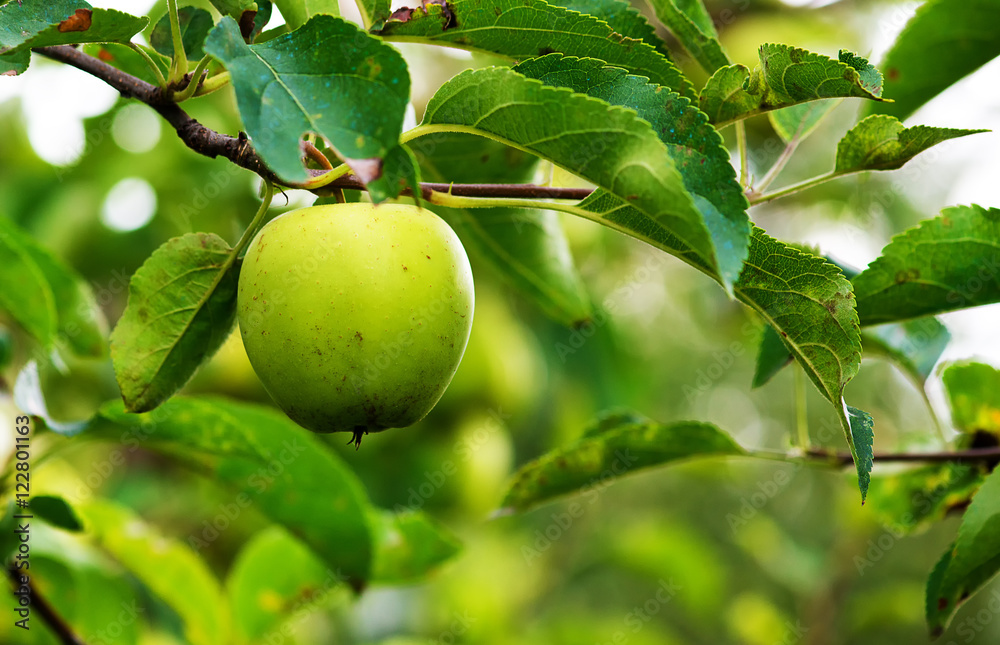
(355, 317)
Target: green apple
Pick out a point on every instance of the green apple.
(355, 317)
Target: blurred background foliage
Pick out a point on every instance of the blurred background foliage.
(723, 551)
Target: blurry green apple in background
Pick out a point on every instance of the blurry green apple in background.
(355, 317)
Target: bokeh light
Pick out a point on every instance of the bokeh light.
(130, 204)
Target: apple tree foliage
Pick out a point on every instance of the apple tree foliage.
(588, 87)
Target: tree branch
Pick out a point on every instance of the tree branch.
(196, 136)
(238, 150)
(47, 612)
(972, 454)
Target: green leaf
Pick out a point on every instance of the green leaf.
(409, 545)
(695, 146)
(399, 171)
(167, 567)
(464, 158)
(696, 12)
(915, 345)
(374, 12)
(511, 28)
(882, 143)
(774, 353)
(620, 15)
(772, 356)
(272, 576)
(330, 78)
(267, 460)
(609, 146)
(859, 426)
(25, 294)
(590, 464)
(916, 499)
(809, 303)
(527, 248)
(195, 23)
(14, 64)
(945, 41)
(698, 38)
(80, 321)
(946, 263)
(298, 12)
(56, 512)
(796, 122)
(972, 562)
(42, 23)
(973, 391)
(786, 76)
(47, 297)
(192, 428)
(181, 308)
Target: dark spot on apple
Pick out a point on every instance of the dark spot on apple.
(892, 73)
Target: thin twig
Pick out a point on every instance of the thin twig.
(775, 168)
(794, 188)
(741, 144)
(971, 454)
(45, 611)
